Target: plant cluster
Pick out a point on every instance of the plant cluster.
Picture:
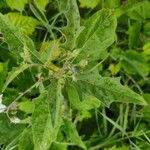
(74, 74)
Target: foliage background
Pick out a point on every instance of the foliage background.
(68, 70)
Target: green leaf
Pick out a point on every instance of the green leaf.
(3, 73)
(7, 56)
(72, 30)
(19, 44)
(12, 93)
(72, 133)
(8, 131)
(146, 109)
(135, 63)
(26, 106)
(73, 96)
(14, 73)
(111, 3)
(147, 29)
(97, 36)
(59, 146)
(41, 4)
(134, 34)
(26, 141)
(46, 118)
(3, 4)
(139, 10)
(83, 106)
(50, 51)
(55, 102)
(108, 90)
(41, 123)
(90, 102)
(89, 3)
(17, 4)
(58, 103)
(25, 23)
(146, 49)
(114, 68)
(119, 148)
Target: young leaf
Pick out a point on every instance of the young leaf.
(146, 49)
(89, 4)
(114, 68)
(50, 51)
(25, 23)
(97, 36)
(90, 102)
(19, 44)
(19, 4)
(26, 106)
(108, 90)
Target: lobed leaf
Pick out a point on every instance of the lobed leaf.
(25, 23)
(97, 36)
(19, 44)
(46, 118)
(108, 90)
(87, 102)
(72, 30)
